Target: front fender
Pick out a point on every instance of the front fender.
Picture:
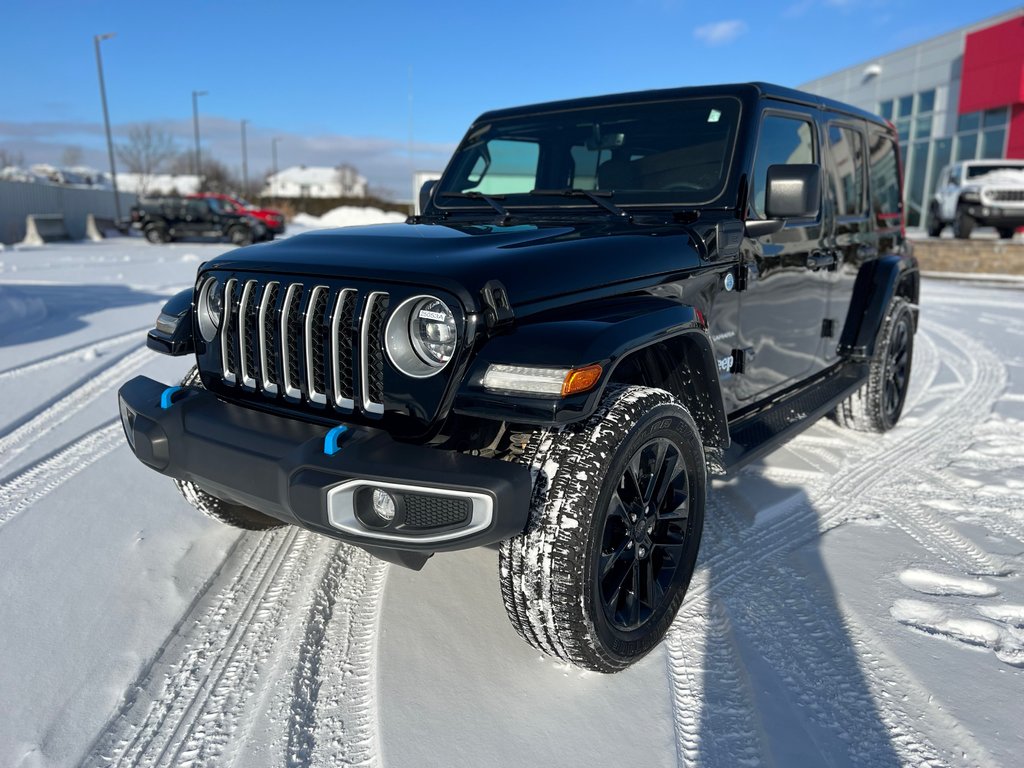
(877, 283)
(180, 341)
(604, 332)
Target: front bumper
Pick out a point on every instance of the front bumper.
(997, 215)
(282, 468)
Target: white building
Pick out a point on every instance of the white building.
(316, 181)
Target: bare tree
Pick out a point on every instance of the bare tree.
(217, 177)
(9, 157)
(71, 156)
(147, 150)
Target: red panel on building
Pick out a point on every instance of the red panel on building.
(993, 69)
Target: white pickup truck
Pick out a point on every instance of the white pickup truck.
(978, 193)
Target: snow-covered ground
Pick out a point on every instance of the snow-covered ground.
(858, 603)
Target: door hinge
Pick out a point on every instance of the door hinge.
(828, 328)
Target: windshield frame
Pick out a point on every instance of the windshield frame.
(529, 201)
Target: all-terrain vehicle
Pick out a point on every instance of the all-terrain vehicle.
(165, 219)
(603, 301)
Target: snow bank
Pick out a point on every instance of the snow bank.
(347, 216)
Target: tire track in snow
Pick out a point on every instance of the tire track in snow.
(204, 695)
(833, 501)
(75, 354)
(24, 489)
(58, 411)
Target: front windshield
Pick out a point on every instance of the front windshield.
(648, 153)
(974, 171)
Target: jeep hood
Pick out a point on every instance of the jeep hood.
(533, 262)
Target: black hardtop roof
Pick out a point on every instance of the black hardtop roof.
(741, 90)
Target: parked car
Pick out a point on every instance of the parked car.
(978, 193)
(164, 219)
(272, 219)
(604, 301)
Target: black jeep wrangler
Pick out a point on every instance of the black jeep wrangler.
(603, 301)
(164, 219)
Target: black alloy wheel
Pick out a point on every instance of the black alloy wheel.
(644, 535)
(897, 370)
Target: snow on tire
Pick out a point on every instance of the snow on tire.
(235, 515)
(877, 406)
(616, 520)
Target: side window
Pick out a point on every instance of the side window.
(846, 146)
(885, 179)
(783, 141)
(510, 167)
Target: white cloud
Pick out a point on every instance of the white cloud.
(720, 32)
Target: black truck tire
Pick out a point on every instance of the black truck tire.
(235, 515)
(240, 234)
(156, 234)
(932, 223)
(616, 520)
(963, 224)
(1006, 233)
(877, 406)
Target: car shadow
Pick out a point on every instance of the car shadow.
(36, 312)
(779, 673)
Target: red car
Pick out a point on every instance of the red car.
(274, 220)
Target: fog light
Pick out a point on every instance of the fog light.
(383, 504)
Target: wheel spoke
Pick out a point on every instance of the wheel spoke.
(669, 471)
(634, 608)
(608, 561)
(649, 582)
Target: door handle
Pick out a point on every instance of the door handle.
(821, 259)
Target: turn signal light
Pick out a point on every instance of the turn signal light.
(581, 379)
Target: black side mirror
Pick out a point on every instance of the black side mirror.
(793, 191)
(425, 191)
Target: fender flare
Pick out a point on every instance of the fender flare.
(878, 281)
(606, 333)
(181, 341)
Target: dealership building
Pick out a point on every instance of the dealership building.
(958, 96)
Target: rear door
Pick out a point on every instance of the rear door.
(854, 240)
(784, 299)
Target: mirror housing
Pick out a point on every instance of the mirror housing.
(793, 191)
(425, 192)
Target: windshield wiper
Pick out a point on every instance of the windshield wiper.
(491, 200)
(596, 196)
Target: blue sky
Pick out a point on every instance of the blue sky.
(332, 79)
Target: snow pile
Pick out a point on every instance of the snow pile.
(347, 216)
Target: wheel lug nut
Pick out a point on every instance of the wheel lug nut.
(642, 552)
(629, 545)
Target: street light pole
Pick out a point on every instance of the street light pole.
(195, 127)
(106, 123)
(245, 163)
(273, 164)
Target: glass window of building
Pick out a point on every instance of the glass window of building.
(926, 101)
(992, 143)
(905, 106)
(993, 118)
(885, 109)
(969, 122)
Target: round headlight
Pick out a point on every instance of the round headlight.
(433, 333)
(421, 336)
(210, 308)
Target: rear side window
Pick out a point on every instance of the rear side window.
(885, 180)
(846, 146)
(783, 141)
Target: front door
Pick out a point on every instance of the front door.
(783, 304)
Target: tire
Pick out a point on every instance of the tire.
(157, 234)
(932, 223)
(1006, 233)
(235, 515)
(582, 520)
(878, 405)
(239, 235)
(963, 224)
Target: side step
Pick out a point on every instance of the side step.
(764, 427)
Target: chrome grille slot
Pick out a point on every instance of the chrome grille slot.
(268, 338)
(248, 335)
(371, 353)
(316, 368)
(229, 363)
(291, 329)
(341, 348)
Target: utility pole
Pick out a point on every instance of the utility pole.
(273, 165)
(245, 163)
(106, 122)
(195, 127)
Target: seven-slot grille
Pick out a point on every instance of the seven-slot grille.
(1005, 195)
(301, 340)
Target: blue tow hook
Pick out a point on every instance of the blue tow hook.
(168, 395)
(332, 440)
